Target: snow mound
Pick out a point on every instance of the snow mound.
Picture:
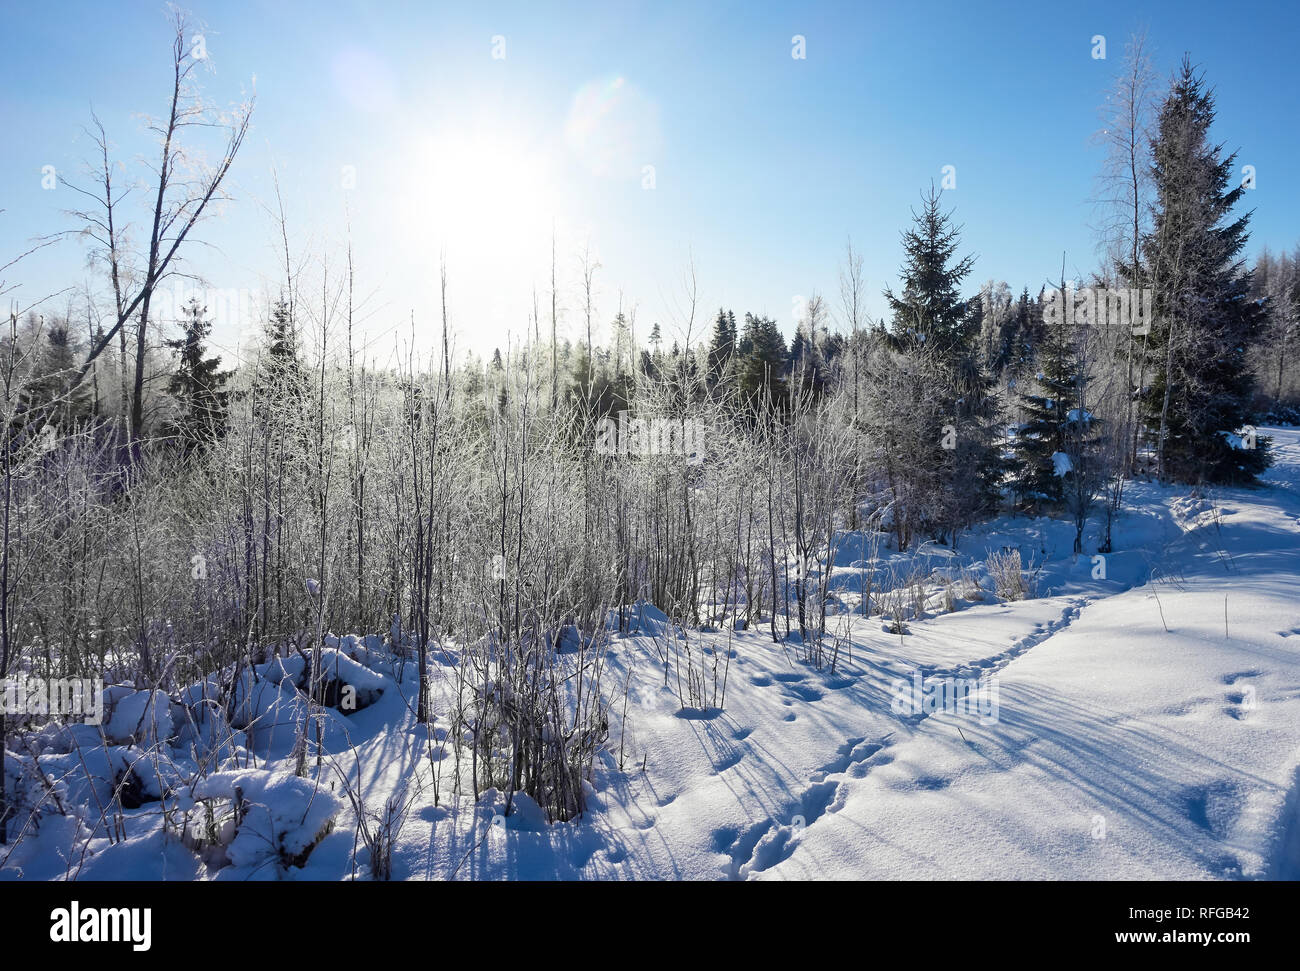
(137, 717)
(272, 816)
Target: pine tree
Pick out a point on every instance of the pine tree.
(975, 468)
(1203, 321)
(1019, 336)
(806, 367)
(198, 384)
(951, 466)
(622, 347)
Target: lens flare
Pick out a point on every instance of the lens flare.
(613, 128)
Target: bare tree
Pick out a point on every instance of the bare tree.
(1124, 185)
(184, 189)
(852, 298)
(589, 268)
(555, 382)
(101, 225)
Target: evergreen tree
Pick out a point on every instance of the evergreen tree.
(723, 345)
(930, 308)
(1020, 335)
(281, 380)
(622, 348)
(51, 392)
(976, 466)
(745, 346)
(953, 460)
(656, 351)
(1056, 432)
(809, 367)
(198, 384)
(762, 369)
(1203, 321)
(806, 367)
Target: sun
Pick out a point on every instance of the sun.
(484, 195)
(487, 200)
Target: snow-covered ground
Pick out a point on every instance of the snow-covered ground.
(1141, 720)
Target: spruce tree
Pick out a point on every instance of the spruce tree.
(51, 393)
(807, 367)
(1054, 420)
(953, 463)
(723, 345)
(198, 384)
(1203, 321)
(281, 380)
(762, 369)
(930, 308)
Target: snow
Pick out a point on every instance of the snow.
(138, 716)
(282, 814)
(1147, 726)
(1061, 464)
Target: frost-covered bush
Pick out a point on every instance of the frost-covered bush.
(1009, 581)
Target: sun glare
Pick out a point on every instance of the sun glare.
(485, 195)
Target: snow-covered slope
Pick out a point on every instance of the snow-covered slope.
(1123, 750)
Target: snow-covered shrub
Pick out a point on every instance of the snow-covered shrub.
(1008, 575)
(205, 733)
(137, 717)
(920, 599)
(343, 684)
(894, 601)
(378, 830)
(259, 817)
(537, 721)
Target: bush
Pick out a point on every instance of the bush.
(1009, 580)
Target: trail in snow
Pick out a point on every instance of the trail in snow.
(768, 844)
(1123, 750)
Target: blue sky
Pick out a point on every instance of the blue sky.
(762, 163)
